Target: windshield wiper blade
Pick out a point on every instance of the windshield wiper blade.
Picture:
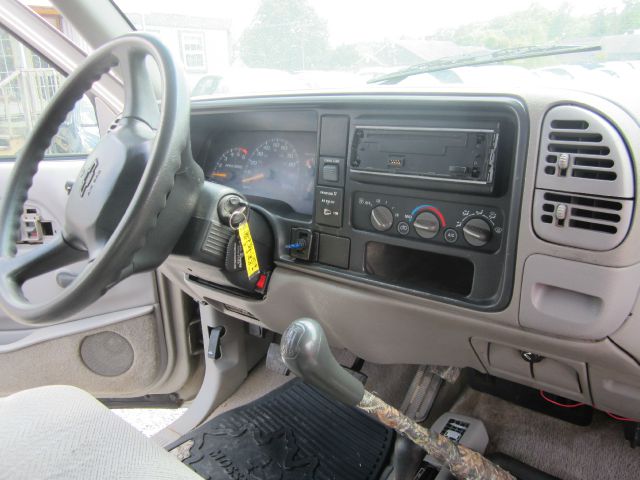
(495, 56)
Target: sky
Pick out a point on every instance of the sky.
(351, 21)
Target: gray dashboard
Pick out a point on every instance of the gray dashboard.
(396, 296)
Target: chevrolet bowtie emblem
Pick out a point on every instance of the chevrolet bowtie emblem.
(88, 178)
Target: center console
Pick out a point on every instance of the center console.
(423, 198)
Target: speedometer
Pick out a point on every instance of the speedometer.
(229, 166)
(273, 161)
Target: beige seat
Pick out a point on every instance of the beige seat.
(62, 432)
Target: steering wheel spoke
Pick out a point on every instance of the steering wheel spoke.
(139, 97)
(42, 259)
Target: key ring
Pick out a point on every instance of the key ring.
(243, 218)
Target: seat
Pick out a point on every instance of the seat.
(62, 432)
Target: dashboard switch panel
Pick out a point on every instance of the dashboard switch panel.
(329, 206)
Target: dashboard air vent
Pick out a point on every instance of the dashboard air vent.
(583, 221)
(582, 152)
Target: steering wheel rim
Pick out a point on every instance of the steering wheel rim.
(132, 198)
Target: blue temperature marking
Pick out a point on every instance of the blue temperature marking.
(420, 207)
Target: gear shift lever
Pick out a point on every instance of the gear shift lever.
(305, 350)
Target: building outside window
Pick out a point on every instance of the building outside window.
(192, 47)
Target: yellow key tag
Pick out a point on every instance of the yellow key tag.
(250, 256)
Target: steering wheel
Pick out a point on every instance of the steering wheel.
(132, 198)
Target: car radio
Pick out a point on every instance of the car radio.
(455, 155)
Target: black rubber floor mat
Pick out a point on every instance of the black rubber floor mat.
(294, 432)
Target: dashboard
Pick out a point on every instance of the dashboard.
(450, 228)
(385, 195)
(275, 165)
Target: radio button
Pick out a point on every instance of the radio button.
(381, 218)
(426, 225)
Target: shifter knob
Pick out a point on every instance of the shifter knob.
(305, 350)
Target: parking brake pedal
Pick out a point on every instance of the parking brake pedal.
(421, 395)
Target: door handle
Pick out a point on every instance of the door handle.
(31, 227)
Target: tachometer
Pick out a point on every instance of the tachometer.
(230, 165)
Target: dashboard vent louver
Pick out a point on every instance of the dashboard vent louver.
(580, 220)
(585, 183)
(582, 152)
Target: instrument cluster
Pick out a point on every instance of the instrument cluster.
(274, 165)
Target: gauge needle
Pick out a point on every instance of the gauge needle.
(220, 174)
(254, 178)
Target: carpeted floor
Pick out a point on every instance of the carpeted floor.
(389, 382)
(559, 448)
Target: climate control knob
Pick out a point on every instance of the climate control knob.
(381, 218)
(477, 232)
(426, 225)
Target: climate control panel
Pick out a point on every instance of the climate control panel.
(456, 224)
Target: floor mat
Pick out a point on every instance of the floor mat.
(294, 432)
(567, 451)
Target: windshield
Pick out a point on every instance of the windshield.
(261, 46)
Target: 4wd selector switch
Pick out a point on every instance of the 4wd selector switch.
(381, 218)
(477, 232)
(426, 224)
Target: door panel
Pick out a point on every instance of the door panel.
(123, 345)
(130, 355)
(48, 197)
